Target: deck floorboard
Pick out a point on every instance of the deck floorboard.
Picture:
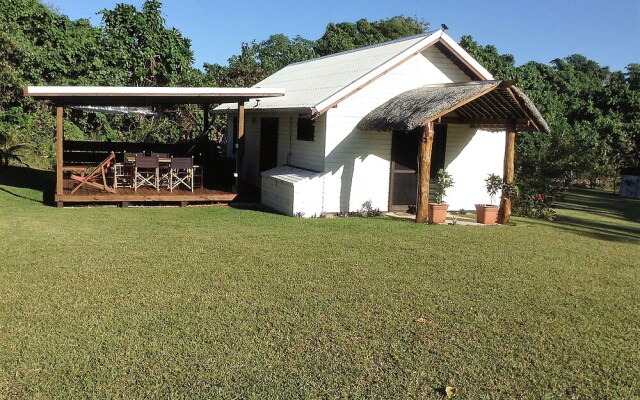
(88, 194)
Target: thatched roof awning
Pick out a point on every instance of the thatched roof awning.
(486, 104)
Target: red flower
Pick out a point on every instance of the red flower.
(539, 197)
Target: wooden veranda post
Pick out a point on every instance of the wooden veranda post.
(424, 171)
(59, 160)
(240, 146)
(504, 213)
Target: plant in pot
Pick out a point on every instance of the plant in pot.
(438, 210)
(487, 213)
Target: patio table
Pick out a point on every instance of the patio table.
(129, 161)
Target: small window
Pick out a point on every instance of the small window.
(306, 129)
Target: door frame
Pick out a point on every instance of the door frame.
(261, 160)
(392, 171)
(441, 134)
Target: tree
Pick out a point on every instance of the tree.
(594, 115)
(257, 60)
(142, 51)
(501, 66)
(348, 35)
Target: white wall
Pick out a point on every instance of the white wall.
(308, 195)
(472, 154)
(302, 197)
(300, 153)
(358, 164)
(357, 170)
(277, 195)
(291, 151)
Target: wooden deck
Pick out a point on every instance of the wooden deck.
(87, 194)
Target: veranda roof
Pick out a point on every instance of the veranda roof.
(480, 103)
(145, 96)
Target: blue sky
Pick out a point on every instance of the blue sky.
(540, 30)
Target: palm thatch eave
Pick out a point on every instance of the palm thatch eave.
(415, 107)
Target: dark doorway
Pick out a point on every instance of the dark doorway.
(404, 164)
(268, 143)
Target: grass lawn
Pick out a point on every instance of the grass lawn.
(221, 302)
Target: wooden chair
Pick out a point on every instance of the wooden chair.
(123, 171)
(181, 172)
(198, 176)
(164, 168)
(146, 172)
(129, 158)
(91, 179)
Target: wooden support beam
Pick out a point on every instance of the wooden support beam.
(59, 142)
(240, 147)
(424, 171)
(504, 213)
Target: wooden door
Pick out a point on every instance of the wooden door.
(403, 188)
(268, 143)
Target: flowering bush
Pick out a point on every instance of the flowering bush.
(534, 203)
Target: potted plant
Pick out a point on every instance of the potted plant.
(487, 213)
(438, 210)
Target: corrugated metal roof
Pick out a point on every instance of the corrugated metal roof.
(311, 82)
(289, 174)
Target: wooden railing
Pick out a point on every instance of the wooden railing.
(90, 153)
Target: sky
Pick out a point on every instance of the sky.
(607, 31)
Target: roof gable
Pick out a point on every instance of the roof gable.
(319, 84)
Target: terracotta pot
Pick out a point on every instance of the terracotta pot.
(486, 214)
(437, 213)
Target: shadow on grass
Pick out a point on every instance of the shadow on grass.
(609, 207)
(601, 203)
(28, 178)
(596, 230)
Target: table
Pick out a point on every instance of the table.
(119, 172)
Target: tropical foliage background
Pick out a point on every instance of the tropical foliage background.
(594, 112)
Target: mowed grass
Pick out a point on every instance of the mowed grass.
(219, 302)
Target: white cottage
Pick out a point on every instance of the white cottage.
(348, 129)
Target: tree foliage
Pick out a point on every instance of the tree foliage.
(151, 54)
(594, 115)
(39, 46)
(348, 36)
(257, 60)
